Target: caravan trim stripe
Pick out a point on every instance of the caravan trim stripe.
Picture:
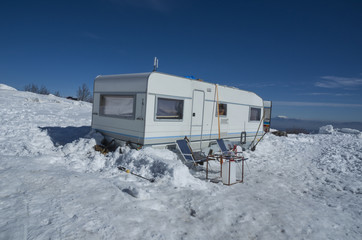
(165, 137)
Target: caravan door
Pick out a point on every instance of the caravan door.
(197, 116)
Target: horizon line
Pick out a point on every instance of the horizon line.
(316, 104)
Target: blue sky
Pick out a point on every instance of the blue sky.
(305, 56)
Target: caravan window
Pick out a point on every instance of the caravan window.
(117, 106)
(169, 108)
(222, 109)
(255, 114)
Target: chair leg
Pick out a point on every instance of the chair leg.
(207, 168)
(242, 170)
(221, 162)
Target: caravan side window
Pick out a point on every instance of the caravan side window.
(121, 106)
(255, 114)
(169, 108)
(222, 109)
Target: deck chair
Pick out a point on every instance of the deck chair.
(222, 146)
(227, 153)
(186, 152)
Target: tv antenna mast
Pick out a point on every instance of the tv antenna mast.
(155, 64)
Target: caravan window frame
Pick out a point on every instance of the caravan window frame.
(157, 97)
(260, 113)
(130, 95)
(226, 110)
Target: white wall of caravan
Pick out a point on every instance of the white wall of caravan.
(133, 128)
(239, 103)
(121, 83)
(134, 84)
(169, 85)
(238, 107)
(145, 129)
(165, 130)
(236, 121)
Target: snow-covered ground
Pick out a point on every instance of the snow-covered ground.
(53, 185)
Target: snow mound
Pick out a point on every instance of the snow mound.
(328, 129)
(6, 87)
(349, 130)
(80, 156)
(161, 164)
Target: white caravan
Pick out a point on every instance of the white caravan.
(156, 109)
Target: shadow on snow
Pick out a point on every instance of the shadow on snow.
(64, 135)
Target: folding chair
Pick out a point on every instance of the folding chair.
(186, 152)
(222, 146)
(188, 155)
(227, 153)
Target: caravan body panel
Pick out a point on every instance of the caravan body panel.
(112, 91)
(167, 108)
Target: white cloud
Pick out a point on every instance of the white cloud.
(339, 82)
(315, 104)
(327, 94)
(343, 94)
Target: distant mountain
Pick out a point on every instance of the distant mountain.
(283, 123)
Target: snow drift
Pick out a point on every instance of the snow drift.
(6, 87)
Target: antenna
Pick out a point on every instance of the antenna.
(155, 64)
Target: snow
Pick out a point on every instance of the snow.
(6, 87)
(349, 130)
(53, 184)
(328, 129)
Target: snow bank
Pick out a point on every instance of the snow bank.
(36, 125)
(161, 164)
(81, 156)
(6, 87)
(328, 129)
(349, 130)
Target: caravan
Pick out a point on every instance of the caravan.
(156, 109)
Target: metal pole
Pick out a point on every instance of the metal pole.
(217, 105)
(229, 171)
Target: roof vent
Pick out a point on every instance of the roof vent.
(155, 64)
